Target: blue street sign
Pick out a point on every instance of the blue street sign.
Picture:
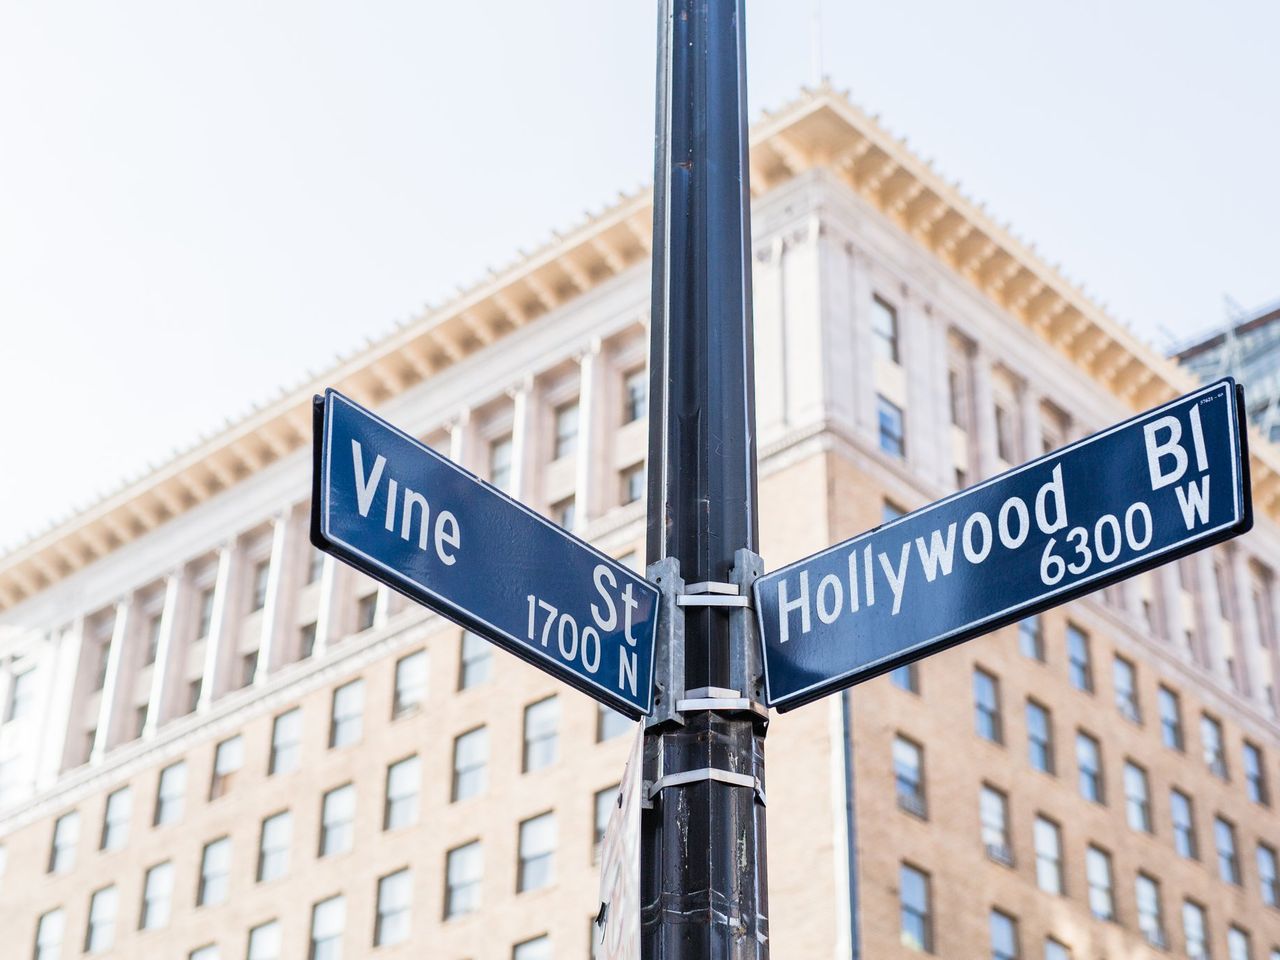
(394, 508)
(1146, 491)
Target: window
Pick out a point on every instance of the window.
(986, 703)
(605, 802)
(537, 853)
(993, 808)
(286, 742)
(539, 948)
(906, 677)
(908, 774)
(261, 575)
(204, 623)
(227, 760)
(635, 395)
(476, 661)
(1089, 760)
(395, 893)
(464, 871)
(1053, 950)
(101, 931)
(884, 329)
(1194, 930)
(366, 612)
(170, 794)
(404, 778)
(1150, 916)
(610, 723)
(890, 511)
(1267, 876)
(248, 668)
(955, 398)
(1211, 740)
(273, 846)
(1004, 434)
(1004, 936)
(1097, 864)
(1170, 719)
(565, 512)
(1137, 797)
(1031, 638)
(265, 942)
(193, 695)
(633, 484)
(913, 909)
(1048, 841)
(1079, 666)
(1184, 825)
(1255, 775)
(411, 684)
(315, 566)
(1124, 679)
(337, 819)
(348, 709)
(102, 651)
(566, 441)
(470, 764)
(21, 695)
(215, 868)
(66, 834)
(115, 819)
(893, 439)
(49, 932)
(541, 740)
(328, 920)
(1039, 737)
(1224, 838)
(1238, 945)
(307, 640)
(500, 463)
(157, 897)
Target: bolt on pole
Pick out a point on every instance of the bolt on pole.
(703, 865)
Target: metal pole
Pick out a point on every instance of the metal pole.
(703, 873)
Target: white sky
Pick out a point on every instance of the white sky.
(200, 201)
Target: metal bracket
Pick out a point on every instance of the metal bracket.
(721, 700)
(668, 672)
(712, 593)
(652, 790)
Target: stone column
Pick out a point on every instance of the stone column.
(220, 643)
(770, 342)
(524, 443)
(1210, 608)
(916, 352)
(276, 607)
(108, 709)
(158, 710)
(462, 440)
(591, 416)
(60, 695)
(1032, 430)
(1247, 631)
(1170, 591)
(864, 379)
(329, 610)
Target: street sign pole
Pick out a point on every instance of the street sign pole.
(703, 877)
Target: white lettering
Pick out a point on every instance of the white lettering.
(898, 579)
(1015, 505)
(972, 553)
(785, 607)
(447, 535)
(1194, 501)
(938, 553)
(1053, 489)
(628, 664)
(365, 489)
(830, 584)
(608, 621)
(629, 605)
(1197, 440)
(1157, 451)
(414, 499)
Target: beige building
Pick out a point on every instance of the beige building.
(218, 744)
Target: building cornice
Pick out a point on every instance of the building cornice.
(822, 129)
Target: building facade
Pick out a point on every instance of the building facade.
(217, 743)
